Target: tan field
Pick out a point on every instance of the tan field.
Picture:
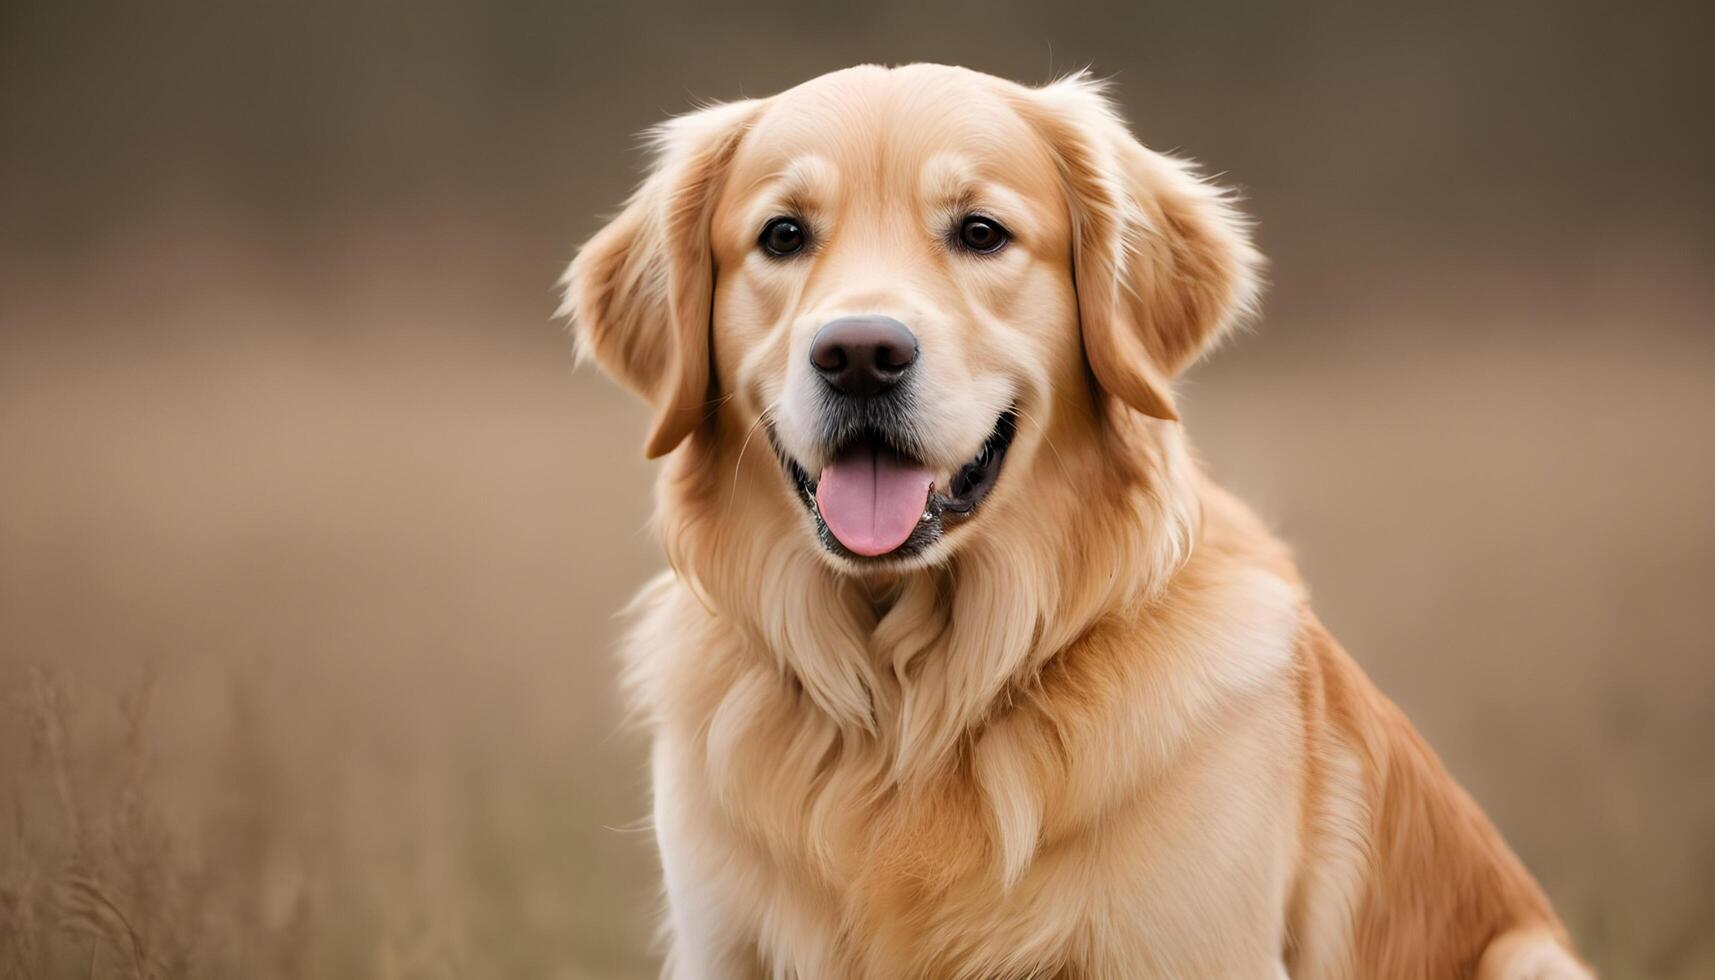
(312, 539)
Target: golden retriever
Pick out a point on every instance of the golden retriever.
(963, 669)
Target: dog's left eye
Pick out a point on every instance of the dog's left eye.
(980, 234)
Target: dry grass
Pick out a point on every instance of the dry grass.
(106, 887)
(304, 646)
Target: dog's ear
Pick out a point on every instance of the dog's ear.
(640, 292)
(1162, 262)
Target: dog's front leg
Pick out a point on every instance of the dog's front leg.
(699, 945)
(705, 942)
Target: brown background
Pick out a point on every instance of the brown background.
(310, 536)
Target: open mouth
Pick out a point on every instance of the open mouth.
(873, 500)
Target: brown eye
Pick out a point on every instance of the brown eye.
(782, 237)
(981, 234)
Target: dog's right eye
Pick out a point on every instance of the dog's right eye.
(782, 237)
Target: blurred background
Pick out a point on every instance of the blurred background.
(311, 537)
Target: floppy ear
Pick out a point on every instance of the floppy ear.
(1162, 262)
(640, 292)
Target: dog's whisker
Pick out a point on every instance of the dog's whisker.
(1059, 460)
(761, 417)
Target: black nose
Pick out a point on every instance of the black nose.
(863, 355)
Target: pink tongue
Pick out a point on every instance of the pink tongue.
(871, 500)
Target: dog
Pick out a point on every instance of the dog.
(962, 668)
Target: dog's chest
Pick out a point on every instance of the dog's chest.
(910, 884)
(926, 901)
(795, 840)
(874, 879)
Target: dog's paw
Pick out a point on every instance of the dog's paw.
(1530, 955)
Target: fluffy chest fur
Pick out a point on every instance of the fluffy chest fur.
(1117, 811)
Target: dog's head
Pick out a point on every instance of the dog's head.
(901, 279)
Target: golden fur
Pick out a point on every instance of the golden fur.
(1093, 733)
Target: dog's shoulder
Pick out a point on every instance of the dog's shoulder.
(667, 623)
